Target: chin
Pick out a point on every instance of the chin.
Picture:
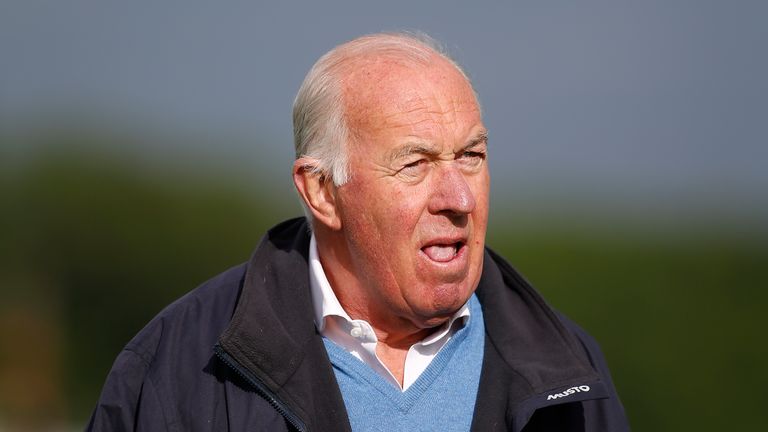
(445, 301)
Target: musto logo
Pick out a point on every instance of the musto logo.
(569, 392)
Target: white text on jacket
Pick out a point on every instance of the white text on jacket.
(569, 392)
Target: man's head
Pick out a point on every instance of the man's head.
(320, 130)
(391, 165)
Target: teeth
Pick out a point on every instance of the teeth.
(440, 253)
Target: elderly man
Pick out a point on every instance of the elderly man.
(389, 313)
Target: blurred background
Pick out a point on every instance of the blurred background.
(145, 146)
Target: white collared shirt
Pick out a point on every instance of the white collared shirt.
(357, 336)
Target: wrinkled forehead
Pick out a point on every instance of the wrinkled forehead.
(376, 89)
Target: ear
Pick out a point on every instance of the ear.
(317, 191)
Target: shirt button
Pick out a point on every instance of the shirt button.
(357, 332)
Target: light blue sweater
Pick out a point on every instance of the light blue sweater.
(441, 399)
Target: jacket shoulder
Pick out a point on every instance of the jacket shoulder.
(607, 414)
(195, 319)
(168, 357)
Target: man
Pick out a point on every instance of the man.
(389, 314)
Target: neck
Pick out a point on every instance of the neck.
(360, 301)
(395, 334)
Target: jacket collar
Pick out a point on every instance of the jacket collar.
(526, 331)
(272, 334)
(528, 349)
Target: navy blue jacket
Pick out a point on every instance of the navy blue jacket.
(241, 353)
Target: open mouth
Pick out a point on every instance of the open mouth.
(443, 252)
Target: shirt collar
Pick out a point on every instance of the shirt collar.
(324, 299)
(326, 303)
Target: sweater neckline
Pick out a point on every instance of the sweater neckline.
(405, 399)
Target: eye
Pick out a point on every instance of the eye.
(472, 157)
(473, 154)
(413, 168)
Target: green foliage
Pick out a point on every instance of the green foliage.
(97, 245)
(677, 315)
(110, 245)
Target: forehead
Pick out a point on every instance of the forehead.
(384, 93)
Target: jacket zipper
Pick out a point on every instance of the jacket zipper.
(261, 389)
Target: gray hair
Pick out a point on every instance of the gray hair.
(320, 129)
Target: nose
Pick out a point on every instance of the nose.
(451, 193)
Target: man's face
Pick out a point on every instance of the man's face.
(415, 210)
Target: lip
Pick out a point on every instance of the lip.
(459, 242)
(446, 240)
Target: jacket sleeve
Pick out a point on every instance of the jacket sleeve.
(128, 400)
(604, 414)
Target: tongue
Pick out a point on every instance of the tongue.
(440, 253)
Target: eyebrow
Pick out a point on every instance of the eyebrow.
(481, 138)
(410, 149)
(424, 149)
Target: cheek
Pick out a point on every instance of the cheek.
(375, 218)
(387, 213)
(404, 208)
(482, 190)
(392, 209)
(480, 215)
